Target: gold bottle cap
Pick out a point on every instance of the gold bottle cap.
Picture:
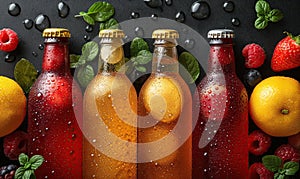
(112, 33)
(220, 34)
(56, 32)
(165, 34)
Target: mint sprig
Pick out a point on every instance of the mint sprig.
(28, 166)
(98, 12)
(110, 24)
(274, 164)
(189, 69)
(265, 14)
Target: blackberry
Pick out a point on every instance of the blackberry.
(7, 172)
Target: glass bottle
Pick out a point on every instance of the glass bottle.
(165, 115)
(110, 107)
(54, 111)
(220, 136)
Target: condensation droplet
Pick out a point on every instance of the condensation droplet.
(9, 58)
(200, 10)
(42, 22)
(14, 9)
(63, 9)
(139, 31)
(228, 6)
(28, 23)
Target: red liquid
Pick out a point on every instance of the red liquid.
(54, 107)
(220, 137)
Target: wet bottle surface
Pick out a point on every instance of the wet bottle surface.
(165, 115)
(110, 107)
(220, 136)
(54, 112)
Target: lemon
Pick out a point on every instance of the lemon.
(12, 106)
(275, 106)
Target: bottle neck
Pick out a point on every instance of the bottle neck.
(56, 55)
(165, 56)
(111, 58)
(221, 56)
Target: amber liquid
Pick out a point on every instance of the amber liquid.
(106, 99)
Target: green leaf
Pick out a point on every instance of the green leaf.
(74, 61)
(295, 38)
(110, 24)
(279, 176)
(88, 19)
(137, 45)
(143, 57)
(104, 11)
(25, 74)
(85, 75)
(261, 23)
(28, 174)
(95, 8)
(141, 69)
(89, 51)
(262, 8)
(275, 15)
(191, 65)
(27, 165)
(19, 173)
(291, 168)
(272, 162)
(23, 159)
(36, 161)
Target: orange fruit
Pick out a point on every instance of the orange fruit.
(275, 106)
(12, 106)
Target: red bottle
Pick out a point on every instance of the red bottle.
(54, 110)
(220, 137)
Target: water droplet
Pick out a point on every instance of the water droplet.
(180, 16)
(34, 54)
(52, 171)
(46, 176)
(46, 129)
(153, 3)
(235, 22)
(70, 122)
(9, 58)
(189, 43)
(14, 9)
(168, 2)
(71, 152)
(89, 28)
(28, 23)
(73, 136)
(139, 31)
(87, 38)
(42, 22)
(228, 6)
(154, 16)
(92, 155)
(155, 163)
(134, 15)
(200, 10)
(94, 140)
(41, 46)
(63, 9)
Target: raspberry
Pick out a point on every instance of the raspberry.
(259, 171)
(8, 40)
(7, 172)
(258, 142)
(14, 144)
(287, 153)
(254, 55)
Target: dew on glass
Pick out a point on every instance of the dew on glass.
(42, 22)
(89, 28)
(180, 16)
(41, 46)
(9, 58)
(63, 9)
(139, 31)
(134, 15)
(169, 2)
(235, 22)
(87, 38)
(228, 6)
(154, 3)
(200, 10)
(14, 9)
(28, 23)
(189, 43)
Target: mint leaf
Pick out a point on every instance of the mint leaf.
(95, 8)
(36, 161)
(23, 159)
(88, 19)
(19, 173)
(103, 11)
(25, 74)
(89, 51)
(275, 15)
(85, 75)
(28, 174)
(262, 8)
(74, 61)
(143, 57)
(272, 162)
(141, 69)
(291, 168)
(191, 68)
(110, 24)
(279, 176)
(261, 23)
(137, 45)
